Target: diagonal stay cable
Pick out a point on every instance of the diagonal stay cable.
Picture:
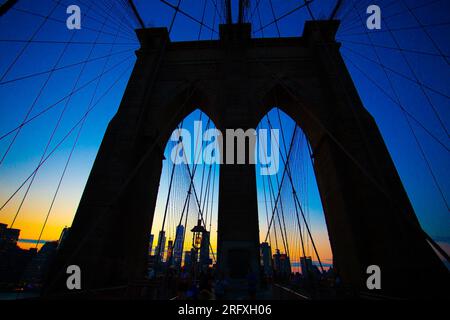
(431, 104)
(31, 75)
(392, 99)
(280, 186)
(62, 140)
(422, 152)
(196, 198)
(308, 7)
(258, 2)
(442, 94)
(64, 23)
(191, 186)
(216, 11)
(278, 209)
(63, 42)
(431, 25)
(174, 16)
(275, 17)
(58, 122)
(158, 249)
(203, 19)
(38, 96)
(135, 13)
(390, 48)
(75, 141)
(184, 209)
(303, 5)
(405, 113)
(350, 10)
(266, 208)
(400, 106)
(281, 183)
(27, 43)
(214, 24)
(286, 164)
(187, 15)
(272, 206)
(289, 172)
(424, 29)
(212, 195)
(294, 192)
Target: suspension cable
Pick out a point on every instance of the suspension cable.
(27, 43)
(438, 117)
(74, 145)
(285, 162)
(62, 140)
(276, 20)
(422, 152)
(391, 48)
(187, 15)
(50, 139)
(64, 23)
(401, 107)
(51, 106)
(174, 16)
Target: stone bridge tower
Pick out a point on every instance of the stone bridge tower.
(236, 80)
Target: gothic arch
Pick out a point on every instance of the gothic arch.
(177, 103)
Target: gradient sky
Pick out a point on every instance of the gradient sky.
(18, 96)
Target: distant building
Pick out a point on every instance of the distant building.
(35, 272)
(281, 264)
(150, 247)
(8, 236)
(169, 251)
(266, 258)
(178, 246)
(161, 246)
(13, 260)
(3, 228)
(308, 268)
(306, 264)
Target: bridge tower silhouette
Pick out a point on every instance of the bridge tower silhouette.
(236, 80)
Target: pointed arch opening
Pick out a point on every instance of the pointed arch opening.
(187, 199)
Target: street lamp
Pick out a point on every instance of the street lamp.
(197, 234)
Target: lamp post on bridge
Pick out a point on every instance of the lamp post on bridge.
(197, 235)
